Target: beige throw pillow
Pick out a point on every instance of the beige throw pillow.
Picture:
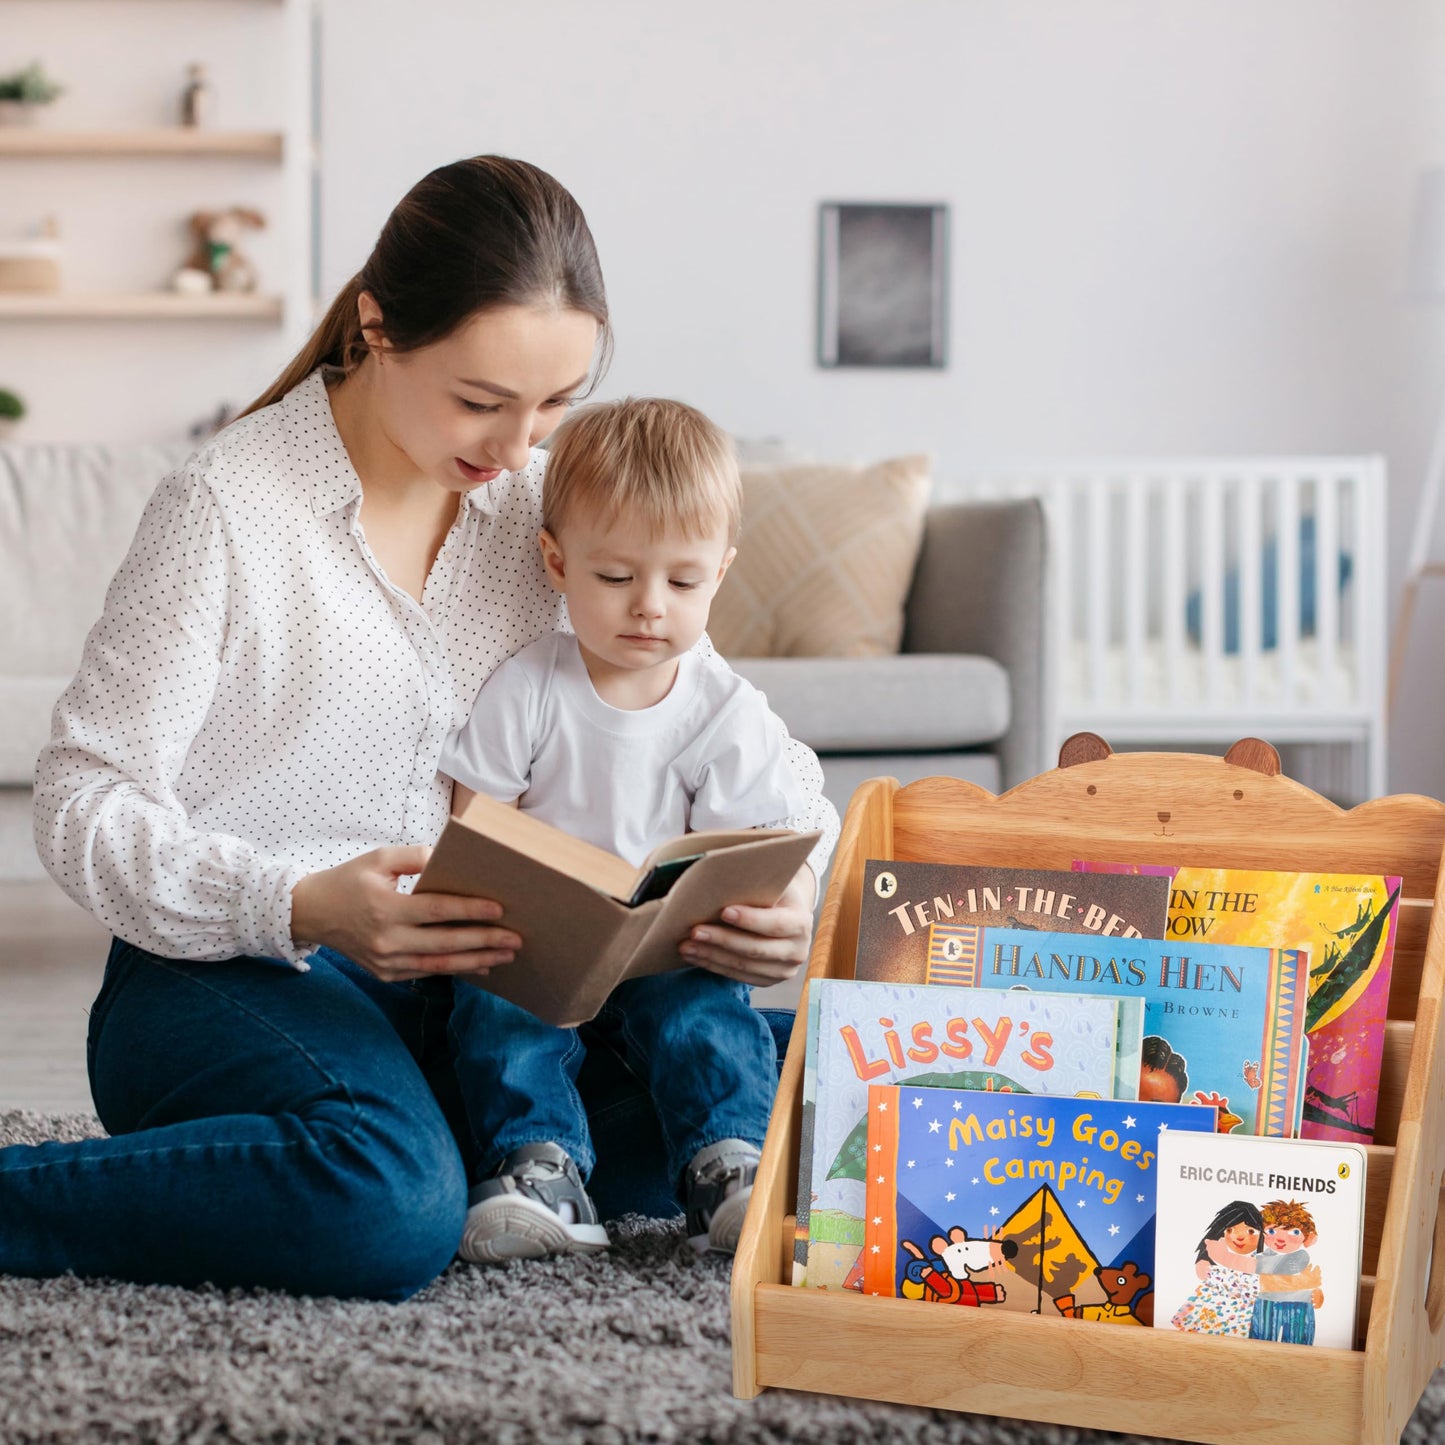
(825, 560)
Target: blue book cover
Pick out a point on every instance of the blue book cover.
(1224, 1024)
(1041, 1205)
(867, 1033)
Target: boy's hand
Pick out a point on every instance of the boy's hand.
(759, 946)
(355, 909)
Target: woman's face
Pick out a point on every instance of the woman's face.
(475, 403)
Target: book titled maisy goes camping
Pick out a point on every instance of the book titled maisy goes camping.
(1260, 1238)
(1013, 1044)
(1347, 922)
(1223, 1024)
(1040, 1205)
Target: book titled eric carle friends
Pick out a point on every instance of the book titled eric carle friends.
(1223, 1024)
(1039, 1205)
(1347, 922)
(1014, 1044)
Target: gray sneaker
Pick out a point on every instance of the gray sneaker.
(533, 1206)
(718, 1185)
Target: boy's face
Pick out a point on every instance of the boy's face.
(636, 601)
(1282, 1240)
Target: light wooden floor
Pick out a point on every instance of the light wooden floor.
(52, 956)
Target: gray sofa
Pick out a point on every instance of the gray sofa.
(967, 696)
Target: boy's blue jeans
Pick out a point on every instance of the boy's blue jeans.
(279, 1129)
(690, 1037)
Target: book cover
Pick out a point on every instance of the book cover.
(900, 900)
(1042, 1205)
(1260, 1238)
(867, 1032)
(568, 900)
(1347, 922)
(1223, 1024)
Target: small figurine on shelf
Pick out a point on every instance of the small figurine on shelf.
(33, 262)
(12, 410)
(24, 92)
(207, 426)
(197, 99)
(214, 263)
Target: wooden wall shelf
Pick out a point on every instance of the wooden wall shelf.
(22, 140)
(1150, 1381)
(138, 306)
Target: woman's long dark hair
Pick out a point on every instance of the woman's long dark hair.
(1239, 1211)
(482, 232)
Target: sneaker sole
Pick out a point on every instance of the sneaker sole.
(515, 1228)
(726, 1227)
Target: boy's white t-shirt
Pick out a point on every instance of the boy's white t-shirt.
(709, 755)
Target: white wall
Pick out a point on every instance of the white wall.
(1176, 227)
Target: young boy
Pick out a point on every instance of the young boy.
(622, 734)
(1289, 1235)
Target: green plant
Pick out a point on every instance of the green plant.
(11, 407)
(30, 86)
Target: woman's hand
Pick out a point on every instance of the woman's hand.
(760, 946)
(355, 909)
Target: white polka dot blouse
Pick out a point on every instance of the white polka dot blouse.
(258, 701)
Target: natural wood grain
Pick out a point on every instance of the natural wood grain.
(1177, 808)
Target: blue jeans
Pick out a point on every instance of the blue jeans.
(692, 1038)
(297, 1131)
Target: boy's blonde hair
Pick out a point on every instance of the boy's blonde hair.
(661, 463)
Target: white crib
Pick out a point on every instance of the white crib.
(1197, 601)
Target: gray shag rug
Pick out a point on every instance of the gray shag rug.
(627, 1346)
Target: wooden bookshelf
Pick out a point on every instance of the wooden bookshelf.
(1155, 1382)
(138, 306)
(21, 140)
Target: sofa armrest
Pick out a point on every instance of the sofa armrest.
(979, 588)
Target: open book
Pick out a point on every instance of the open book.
(587, 918)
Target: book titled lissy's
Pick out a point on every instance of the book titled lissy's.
(587, 918)
(1037, 1204)
(1018, 1044)
(901, 899)
(1223, 1024)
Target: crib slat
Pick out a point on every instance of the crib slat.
(1327, 578)
(1172, 576)
(1211, 585)
(1250, 570)
(1287, 589)
(1136, 562)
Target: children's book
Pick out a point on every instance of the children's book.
(587, 918)
(1037, 1204)
(901, 899)
(1223, 1024)
(1260, 1238)
(1347, 922)
(1019, 1044)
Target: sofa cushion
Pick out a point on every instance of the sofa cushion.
(67, 514)
(825, 560)
(910, 702)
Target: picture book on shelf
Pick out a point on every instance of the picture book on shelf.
(1040, 1204)
(587, 918)
(1016, 1044)
(1347, 922)
(1260, 1238)
(1223, 1023)
(900, 900)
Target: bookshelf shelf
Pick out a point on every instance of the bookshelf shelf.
(158, 141)
(138, 306)
(1154, 1382)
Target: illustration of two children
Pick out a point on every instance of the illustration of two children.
(1255, 1275)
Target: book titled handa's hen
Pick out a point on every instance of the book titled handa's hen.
(1223, 1024)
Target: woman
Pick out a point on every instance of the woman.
(245, 768)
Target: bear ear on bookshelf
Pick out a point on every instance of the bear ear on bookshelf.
(1083, 748)
(1255, 754)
